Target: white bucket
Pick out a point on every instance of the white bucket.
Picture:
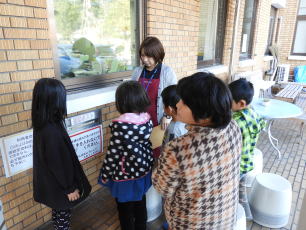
(270, 200)
(241, 219)
(154, 204)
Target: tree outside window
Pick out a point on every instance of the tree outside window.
(96, 38)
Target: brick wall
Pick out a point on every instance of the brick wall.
(25, 56)
(286, 34)
(176, 24)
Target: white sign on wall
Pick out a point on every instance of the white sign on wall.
(87, 143)
(17, 149)
(17, 152)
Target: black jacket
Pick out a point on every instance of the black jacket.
(129, 155)
(56, 168)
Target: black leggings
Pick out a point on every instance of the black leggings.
(133, 215)
(61, 219)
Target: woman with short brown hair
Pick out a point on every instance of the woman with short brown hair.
(154, 76)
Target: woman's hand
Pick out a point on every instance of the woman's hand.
(165, 123)
(74, 195)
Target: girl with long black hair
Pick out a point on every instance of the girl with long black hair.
(58, 178)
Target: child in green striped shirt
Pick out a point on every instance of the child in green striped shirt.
(251, 124)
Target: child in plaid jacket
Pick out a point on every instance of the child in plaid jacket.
(251, 124)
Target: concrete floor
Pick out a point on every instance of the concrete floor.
(99, 211)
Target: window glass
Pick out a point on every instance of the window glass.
(212, 23)
(278, 27)
(247, 29)
(95, 37)
(208, 26)
(302, 9)
(271, 29)
(299, 44)
(300, 38)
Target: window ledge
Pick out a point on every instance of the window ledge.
(90, 99)
(295, 57)
(268, 58)
(245, 63)
(218, 69)
(279, 3)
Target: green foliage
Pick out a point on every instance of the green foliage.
(68, 17)
(97, 8)
(107, 23)
(104, 50)
(85, 47)
(117, 20)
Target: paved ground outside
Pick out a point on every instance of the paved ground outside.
(99, 211)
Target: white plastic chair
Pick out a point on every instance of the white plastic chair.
(256, 78)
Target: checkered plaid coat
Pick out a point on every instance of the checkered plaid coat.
(198, 175)
(250, 124)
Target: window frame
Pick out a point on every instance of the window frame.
(272, 28)
(298, 18)
(222, 16)
(93, 82)
(251, 40)
(278, 29)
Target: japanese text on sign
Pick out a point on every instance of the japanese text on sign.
(87, 143)
(17, 152)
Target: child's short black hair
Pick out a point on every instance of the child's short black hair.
(131, 98)
(48, 102)
(242, 89)
(170, 96)
(207, 97)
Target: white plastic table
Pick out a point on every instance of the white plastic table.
(275, 109)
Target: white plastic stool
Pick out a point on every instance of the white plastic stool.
(258, 166)
(241, 220)
(270, 200)
(154, 204)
